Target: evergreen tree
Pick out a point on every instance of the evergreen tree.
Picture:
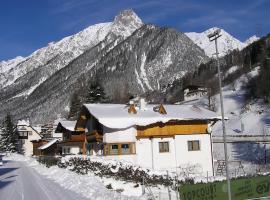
(75, 106)
(9, 136)
(95, 94)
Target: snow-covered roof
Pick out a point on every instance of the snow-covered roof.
(69, 125)
(117, 116)
(23, 123)
(45, 146)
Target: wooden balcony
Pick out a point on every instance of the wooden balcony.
(170, 130)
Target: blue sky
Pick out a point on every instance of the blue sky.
(27, 25)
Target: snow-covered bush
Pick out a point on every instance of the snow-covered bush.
(116, 170)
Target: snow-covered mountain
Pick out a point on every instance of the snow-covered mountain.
(125, 56)
(226, 42)
(67, 49)
(252, 39)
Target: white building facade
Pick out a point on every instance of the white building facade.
(26, 134)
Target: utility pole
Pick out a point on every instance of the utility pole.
(213, 37)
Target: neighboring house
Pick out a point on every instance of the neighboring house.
(153, 136)
(72, 141)
(49, 148)
(26, 134)
(36, 145)
(193, 92)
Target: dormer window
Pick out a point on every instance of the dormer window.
(132, 109)
(160, 109)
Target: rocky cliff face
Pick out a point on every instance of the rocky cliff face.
(125, 56)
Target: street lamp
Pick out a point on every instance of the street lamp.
(213, 37)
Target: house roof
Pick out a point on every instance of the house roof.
(117, 116)
(45, 146)
(23, 123)
(69, 125)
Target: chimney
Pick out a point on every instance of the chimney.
(142, 104)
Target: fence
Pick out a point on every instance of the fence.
(238, 170)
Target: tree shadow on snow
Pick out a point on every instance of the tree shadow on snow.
(266, 120)
(239, 98)
(4, 184)
(4, 170)
(251, 152)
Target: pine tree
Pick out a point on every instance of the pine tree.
(95, 94)
(9, 136)
(75, 106)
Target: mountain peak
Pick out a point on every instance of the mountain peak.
(126, 22)
(127, 16)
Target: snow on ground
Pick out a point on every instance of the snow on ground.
(89, 186)
(231, 70)
(18, 181)
(250, 119)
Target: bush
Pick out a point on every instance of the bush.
(117, 171)
(48, 161)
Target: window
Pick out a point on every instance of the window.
(23, 133)
(66, 150)
(163, 147)
(194, 145)
(119, 149)
(125, 148)
(114, 149)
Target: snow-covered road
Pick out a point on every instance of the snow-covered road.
(20, 182)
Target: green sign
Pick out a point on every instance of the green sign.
(244, 188)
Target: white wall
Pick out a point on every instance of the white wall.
(161, 161)
(203, 157)
(144, 153)
(26, 145)
(178, 155)
(119, 135)
(72, 149)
